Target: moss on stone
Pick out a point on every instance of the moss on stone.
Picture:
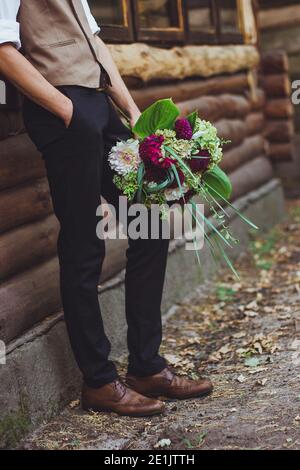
(14, 426)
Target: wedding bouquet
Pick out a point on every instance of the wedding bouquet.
(173, 159)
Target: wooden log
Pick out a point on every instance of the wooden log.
(115, 259)
(257, 101)
(34, 294)
(279, 108)
(19, 161)
(34, 243)
(24, 204)
(186, 90)
(274, 62)
(274, 18)
(277, 86)
(281, 152)
(281, 130)
(214, 108)
(28, 298)
(255, 123)
(250, 148)
(154, 63)
(250, 176)
(27, 246)
(234, 130)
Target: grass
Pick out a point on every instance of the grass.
(263, 249)
(225, 293)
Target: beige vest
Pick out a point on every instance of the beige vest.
(57, 39)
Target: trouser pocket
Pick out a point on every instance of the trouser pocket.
(43, 127)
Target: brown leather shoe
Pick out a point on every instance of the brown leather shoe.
(120, 399)
(166, 384)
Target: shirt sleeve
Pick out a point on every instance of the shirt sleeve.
(92, 22)
(9, 27)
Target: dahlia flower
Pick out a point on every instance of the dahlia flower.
(124, 157)
(151, 151)
(200, 164)
(183, 129)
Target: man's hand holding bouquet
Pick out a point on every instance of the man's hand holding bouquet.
(172, 159)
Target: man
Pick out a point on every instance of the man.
(67, 76)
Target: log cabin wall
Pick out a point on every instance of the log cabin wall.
(29, 289)
(280, 29)
(280, 41)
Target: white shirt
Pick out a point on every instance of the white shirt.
(10, 28)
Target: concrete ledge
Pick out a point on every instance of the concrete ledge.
(40, 375)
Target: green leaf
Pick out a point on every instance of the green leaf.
(192, 119)
(160, 115)
(252, 362)
(219, 183)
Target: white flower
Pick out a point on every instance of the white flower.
(124, 157)
(198, 134)
(174, 194)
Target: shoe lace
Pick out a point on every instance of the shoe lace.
(119, 387)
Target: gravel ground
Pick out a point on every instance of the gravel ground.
(244, 335)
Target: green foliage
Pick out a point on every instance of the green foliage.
(263, 250)
(160, 115)
(218, 183)
(127, 184)
(192, 119)
(225, 293)
(14, 426)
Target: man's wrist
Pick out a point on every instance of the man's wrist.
(132, 111)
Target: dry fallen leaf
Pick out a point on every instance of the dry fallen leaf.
(241, 378)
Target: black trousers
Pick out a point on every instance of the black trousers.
(78, 173)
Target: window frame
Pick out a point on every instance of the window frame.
(224, 37)
(198, 37)
(168, 35)
(217, 36)
(116, 33)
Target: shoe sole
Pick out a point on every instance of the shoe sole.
(132, 415)
(188, 397)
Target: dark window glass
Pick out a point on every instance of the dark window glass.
(200, 16)
(228, 16)
(108, 12)
(160, 14)
(159, 21)
(114, 18)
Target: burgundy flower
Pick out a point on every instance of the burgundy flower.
(200, 164)
(181, 179)
(155, 173)
(150, 151)
(183, 129)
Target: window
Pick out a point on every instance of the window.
(228, 20)
(169, 21)
(159, 20)
(201, 21)
(213, 21)
(114, 19)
